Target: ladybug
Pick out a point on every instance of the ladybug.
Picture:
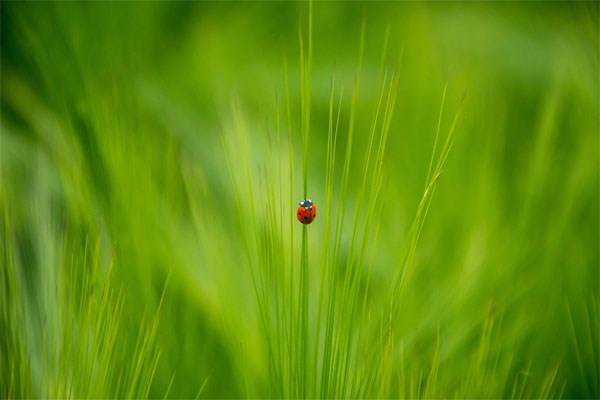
(306, 212)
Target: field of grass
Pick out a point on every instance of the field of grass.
(153, 154)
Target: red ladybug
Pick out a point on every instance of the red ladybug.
(306, 212)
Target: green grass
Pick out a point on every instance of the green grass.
(65, 342)
(153, 155)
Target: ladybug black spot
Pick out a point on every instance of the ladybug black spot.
(305, 218)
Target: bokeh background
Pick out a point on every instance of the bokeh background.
(113, 121)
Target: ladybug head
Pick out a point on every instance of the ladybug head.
(307, 203)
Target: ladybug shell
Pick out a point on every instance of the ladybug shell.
(305, 216)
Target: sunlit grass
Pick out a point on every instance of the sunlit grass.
(70, 344)
(153, 156)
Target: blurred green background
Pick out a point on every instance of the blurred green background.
(113, 121)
